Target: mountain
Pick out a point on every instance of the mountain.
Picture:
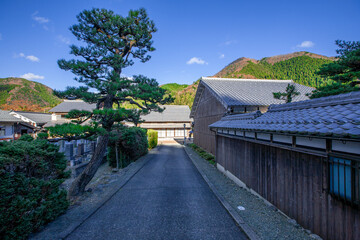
(23, 95)
(183, 94)
(298, 66)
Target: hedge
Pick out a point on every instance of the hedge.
(152, 138)
(205, 155)
(131, 143)
(31, 172)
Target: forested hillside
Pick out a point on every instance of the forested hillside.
(183, 94)
(23, 95)
(300, 67)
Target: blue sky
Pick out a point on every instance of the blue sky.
(194, 38)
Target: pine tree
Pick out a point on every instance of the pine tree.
(288, 95)
(344, 72)
(111, 43)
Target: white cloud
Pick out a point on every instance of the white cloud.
(306, 44)
(227, 43)
(31, 76)
(222, 56)
(30, 57)
(63, 39)
(196, 60)
(41, 19)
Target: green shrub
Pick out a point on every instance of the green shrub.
(202, 153)
(132, 143)
(42, 135)
(31, 172)
(152, 138)
(26, 138)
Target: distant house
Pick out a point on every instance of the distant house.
(67, 105)
(170, 123)
(303, 157)
(216, 97)
(11, 127)
(34, 118)
(62, 109)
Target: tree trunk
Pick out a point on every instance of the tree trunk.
(79, 184)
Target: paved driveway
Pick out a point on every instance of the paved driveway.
(166, 199)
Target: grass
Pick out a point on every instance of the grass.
(202, 153)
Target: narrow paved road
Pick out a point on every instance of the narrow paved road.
(166, 199)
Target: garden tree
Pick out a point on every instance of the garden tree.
(111, 43)
(288, 95)
(344, 72)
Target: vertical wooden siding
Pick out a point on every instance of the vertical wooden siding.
(294, 182)
(209, 110)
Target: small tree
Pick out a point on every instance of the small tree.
(288, 95)
(111, 43)
(343, 72)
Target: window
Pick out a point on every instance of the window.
(170, 132)
(179, 132)
(161, 133)
(344, 176)
(2, 132)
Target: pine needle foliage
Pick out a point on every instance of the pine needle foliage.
(31, 172)
(288, 95)
(110, 43)
(344, 72)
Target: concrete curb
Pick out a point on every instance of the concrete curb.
(232, 211)
(76, 224)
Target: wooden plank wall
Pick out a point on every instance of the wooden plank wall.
(209, 110)
(294, 182)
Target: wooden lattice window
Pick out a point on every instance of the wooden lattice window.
(344, 178)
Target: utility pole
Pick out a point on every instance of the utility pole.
(184, 133)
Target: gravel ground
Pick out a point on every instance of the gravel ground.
(266, 221)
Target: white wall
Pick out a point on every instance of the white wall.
(9, 130)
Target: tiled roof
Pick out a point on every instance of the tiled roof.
(248, 92)
(172, 113)
(69, 105)
(39, 118)
(6, 117)
(165, 126)
(236, 92)
(334, 116)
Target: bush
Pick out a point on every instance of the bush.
(132, 143)
(152, 138)
(31, 172)
(42, 135)
(26, 138)
(205, 155)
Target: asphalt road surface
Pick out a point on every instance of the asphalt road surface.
(166, 199)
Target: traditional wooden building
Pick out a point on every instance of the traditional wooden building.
(216, 97)
(302, 157)
(174, 122)
(11, 127)
(62, 109)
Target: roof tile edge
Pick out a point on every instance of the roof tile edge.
(344, 98)
(246, 80)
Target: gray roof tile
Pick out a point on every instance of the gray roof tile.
(39, 118)
(248, 92)
(69, 105)
(235, 92)
(335, 115)
(172, 113)
(6, 117)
